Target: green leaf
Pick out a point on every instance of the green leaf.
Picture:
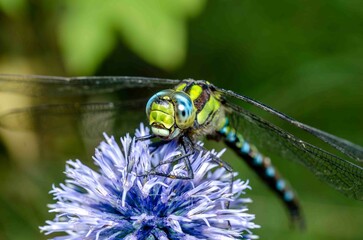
(85, 36)
(13, 7)
(155, 30)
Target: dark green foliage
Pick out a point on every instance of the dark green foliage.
(301, 57)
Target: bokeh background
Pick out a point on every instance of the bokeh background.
(304, 58)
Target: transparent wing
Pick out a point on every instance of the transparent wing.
(92, 119)
(66, 117)
(348, 148)
(96, 103)
(33, 85)
(337, 172)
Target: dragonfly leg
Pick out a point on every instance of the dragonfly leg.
(184, 157)
(146, 137)
(168, 175)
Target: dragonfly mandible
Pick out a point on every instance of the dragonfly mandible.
(215, 112)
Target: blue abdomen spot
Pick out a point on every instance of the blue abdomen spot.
(288, 196)
(270, 171)
(280, 185)
(257, 160)
(223, 130)
(231, 137)
(245, 148)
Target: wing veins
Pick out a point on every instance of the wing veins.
(64, 109)
(330, 168)
(348, 148)
(34, 85)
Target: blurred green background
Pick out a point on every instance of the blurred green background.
(304, 58)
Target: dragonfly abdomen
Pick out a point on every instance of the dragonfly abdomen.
(263, 167)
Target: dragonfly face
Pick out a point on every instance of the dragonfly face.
(170, 113)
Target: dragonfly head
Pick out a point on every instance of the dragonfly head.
(170, 113)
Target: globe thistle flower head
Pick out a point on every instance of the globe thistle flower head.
(122, 201)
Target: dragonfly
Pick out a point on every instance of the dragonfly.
(189, 109)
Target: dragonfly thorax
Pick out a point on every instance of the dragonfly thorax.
(170, 113)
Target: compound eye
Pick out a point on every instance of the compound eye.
(155, 98)
(185, 113)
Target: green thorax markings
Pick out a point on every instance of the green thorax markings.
(210, 113)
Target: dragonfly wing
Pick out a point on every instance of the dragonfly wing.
(348, 148)
(66, 131)
(337, 172)
(92, 118)
(65, 116)
(33, 85)
(94, 102)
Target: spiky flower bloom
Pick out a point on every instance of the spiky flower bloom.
(121, 201)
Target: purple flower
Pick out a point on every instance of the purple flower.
(119, 202)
